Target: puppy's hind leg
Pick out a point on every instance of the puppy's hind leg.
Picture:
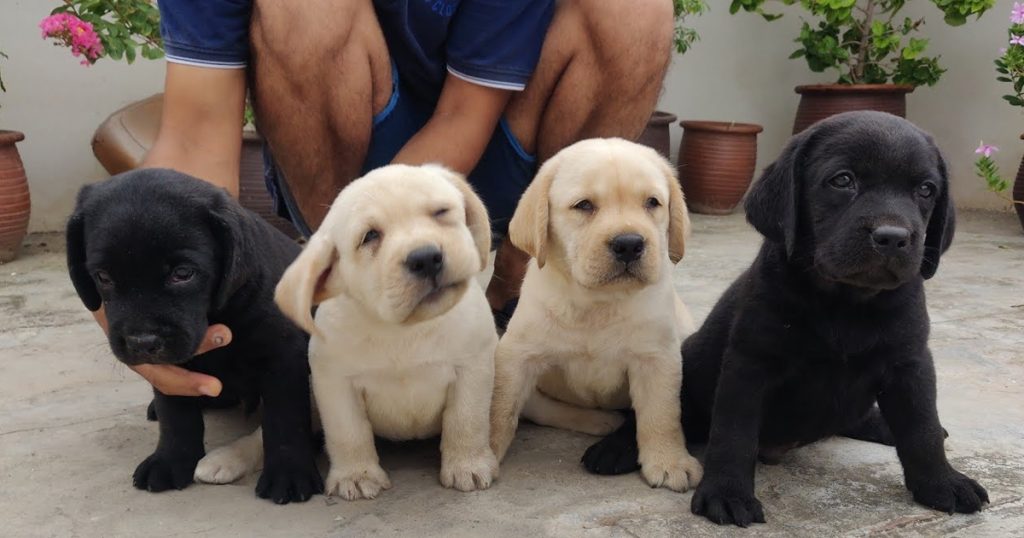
(547, 411)
(232, 461)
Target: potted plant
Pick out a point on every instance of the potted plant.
(1010, 66)
(15, 204)
(657, 135)
(876, 52)
(716, 164)
(126, 29)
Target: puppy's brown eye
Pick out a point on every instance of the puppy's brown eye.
(842, 181)
(103, 278)
(583, 205)
(182, 274)
(926, 189)
(370, 236)
(441, 212)
(652, 203)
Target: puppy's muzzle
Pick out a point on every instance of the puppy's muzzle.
(627, 248)
(890, 241)
(145, 346)
(425, 262)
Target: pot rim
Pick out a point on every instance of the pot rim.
(661, 117)
(10, 137)
(721, 126)
(854, 88)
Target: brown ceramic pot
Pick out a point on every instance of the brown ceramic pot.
(15, 204)
(1018, 190)
(657, 135)
(819, 101)
(716, 164)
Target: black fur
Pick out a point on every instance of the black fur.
(137, 229)
(822, 325)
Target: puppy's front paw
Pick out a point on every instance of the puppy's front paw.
(726, 503)
(291, 481)
(222, 466)
(952, 492)
(612, 455)
(678, 473)
(357, 482)
(469, 473)
(160, 472)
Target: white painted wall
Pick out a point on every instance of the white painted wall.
(738, 71)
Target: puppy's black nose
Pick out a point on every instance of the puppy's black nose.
(425, 262)
(144, 345)
(627, 247)
(890, 240)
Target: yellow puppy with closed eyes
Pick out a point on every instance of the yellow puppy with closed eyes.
(599, 324)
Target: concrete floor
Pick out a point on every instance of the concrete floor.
(73, 427)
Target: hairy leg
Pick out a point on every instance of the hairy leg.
(319, 73)
(600, 75)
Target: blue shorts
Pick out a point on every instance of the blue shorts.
(501, 176)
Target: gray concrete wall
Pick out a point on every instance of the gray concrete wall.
(738, 71)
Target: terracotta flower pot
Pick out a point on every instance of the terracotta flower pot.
(1018, 190)
(819, 101)
(15, 204)
(716, 164)
(656, 135)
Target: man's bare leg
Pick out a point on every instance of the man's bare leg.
(320, 70)
(600, 75)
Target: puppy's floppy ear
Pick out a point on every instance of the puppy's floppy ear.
(311, 279)
(75, 238)
(233, 230)
(941, 223)
(476, 213)
(772, 205)
(528, 229)
(679, 216)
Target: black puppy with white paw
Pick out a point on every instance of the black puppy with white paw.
(167, 255)
(829, 319)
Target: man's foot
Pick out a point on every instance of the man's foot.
(504, 315)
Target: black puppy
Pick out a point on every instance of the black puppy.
(167, 255)
(828, 320)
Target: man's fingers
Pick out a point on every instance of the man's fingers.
(218, 335)
(176, 381)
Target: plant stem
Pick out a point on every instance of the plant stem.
(857, 76)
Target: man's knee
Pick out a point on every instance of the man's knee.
(301, 38)
(630, 37)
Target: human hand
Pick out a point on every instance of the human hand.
(175, 380)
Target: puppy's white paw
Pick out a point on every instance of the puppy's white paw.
(675, 473)
(356, 482)
(469, 473)
(223, 465)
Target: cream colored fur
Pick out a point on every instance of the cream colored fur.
(591, 333)
(390, 354)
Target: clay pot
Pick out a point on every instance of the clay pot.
(716, 164)
(15, 204)
(819, 101)
(1018, 190)
(252, 188)
(656, 135)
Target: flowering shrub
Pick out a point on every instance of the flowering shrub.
(1010, 66)
(866, 40)
(74, 33)
(114, 29)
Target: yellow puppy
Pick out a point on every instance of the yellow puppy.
(403, 342)
(599, 324)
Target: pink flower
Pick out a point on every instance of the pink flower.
(74, 33)
(986, 149)
(1017, 14)
(1017, 40)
